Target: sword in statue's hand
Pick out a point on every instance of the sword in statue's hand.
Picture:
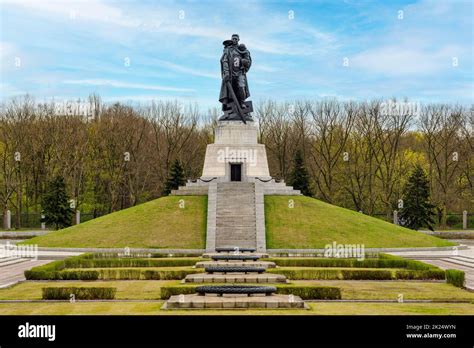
(236, 102)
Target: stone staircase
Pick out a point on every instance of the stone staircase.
(236, 215)
(7, 261)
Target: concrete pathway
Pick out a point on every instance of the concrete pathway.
(12, 269)
(462, 259)
(14, 273)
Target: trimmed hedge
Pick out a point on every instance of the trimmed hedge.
(61, 275)
(312, 292)
(366, 263)
(79, 293)
(305, 292)
(348, 274)
(110, 274)
(144, 274)
(332, 274)
(135, 255)
(432, 274)
(455, 277)
(129, 262)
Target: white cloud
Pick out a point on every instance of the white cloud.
(119, 84)
(162, 20)
(401, 60)
(95, 10)
(186, 70)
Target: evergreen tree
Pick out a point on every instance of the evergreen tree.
(55, 204)
(299, 177)
(175, 179)
(417, 210)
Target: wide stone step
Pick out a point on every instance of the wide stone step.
(235, 278)
(232, 221)
(236, 215)
(241, 195)
(457, 261)
(234, 301)
(7, 261)
(233, 206)
(242, 210)
(228, 198)
(242, 233)
(249, 226)
(236, 207)
(240, 243)
(266, 264)
(261, 255)
(236, 191)
(235, 230)
(228, 217)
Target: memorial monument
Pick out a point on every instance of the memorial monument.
(235, 175)
(235, 154)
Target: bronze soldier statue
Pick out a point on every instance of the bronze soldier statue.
(235, 62)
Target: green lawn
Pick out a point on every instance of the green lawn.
(389, 290)
(160, 223)
(126, 289)
(312, 223)
(351, 289)
(154, 308)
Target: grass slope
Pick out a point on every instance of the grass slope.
(156, 224)
(162, 224)
(313, 224)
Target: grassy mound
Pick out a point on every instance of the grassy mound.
(160, 223)
(313, 224)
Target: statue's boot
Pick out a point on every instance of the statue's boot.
(241, 97)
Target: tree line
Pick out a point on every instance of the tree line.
(357, 155)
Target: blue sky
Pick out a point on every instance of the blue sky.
(143, 50)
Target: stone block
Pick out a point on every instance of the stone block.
(212, 303)
(229, 304)
(198, 303)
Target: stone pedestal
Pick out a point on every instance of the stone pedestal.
(234, 278)
(195, 301)
(235, 179)
(235, 143)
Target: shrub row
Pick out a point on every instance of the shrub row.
(312, 292)
(61, 275)
(369, 274)
(305, 292)
(109, 274)
(144, 274)
(455, 277)
(366, 263)
(79, 293)
(129, 262)
(430, 274)
(135, 255)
